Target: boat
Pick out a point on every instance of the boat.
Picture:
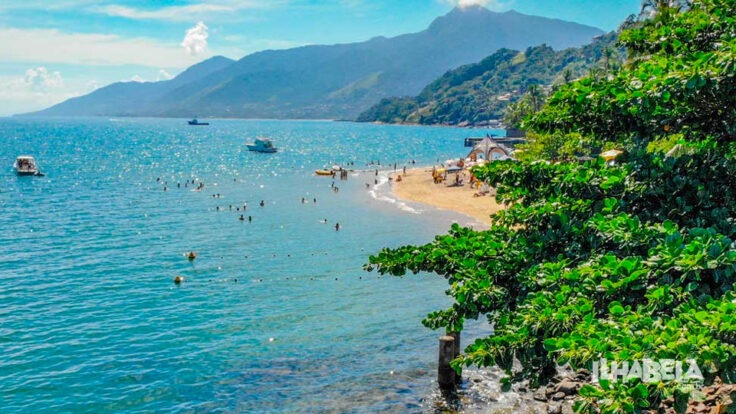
(26, 165)
(324, 172)
(262, 145)
(196, 122)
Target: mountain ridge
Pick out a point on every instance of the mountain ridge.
(331, 81)
(476, 94)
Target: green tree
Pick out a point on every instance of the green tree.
(630, 261)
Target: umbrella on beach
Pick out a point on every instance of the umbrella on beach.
(610, 154)
(453, 169)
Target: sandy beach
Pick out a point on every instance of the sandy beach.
(417, 185)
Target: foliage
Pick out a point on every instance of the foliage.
(553, 147)
(625, 262)
(470, 93)
(529, 103)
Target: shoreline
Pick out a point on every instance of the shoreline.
(417, 186)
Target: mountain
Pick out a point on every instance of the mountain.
(332, 81)
(477, 93)
(129, 98)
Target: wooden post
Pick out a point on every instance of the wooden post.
(445, 374)
(456, 336)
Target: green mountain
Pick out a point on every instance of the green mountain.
(478, 93)
(333, 81)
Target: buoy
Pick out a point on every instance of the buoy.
(178, 280)
(192, 255)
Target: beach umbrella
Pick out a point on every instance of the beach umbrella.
(454, 169)
(610, 154)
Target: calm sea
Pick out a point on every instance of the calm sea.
(274, 315)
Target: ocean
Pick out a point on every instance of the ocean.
(275, 314)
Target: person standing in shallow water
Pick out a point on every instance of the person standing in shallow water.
(337, 226)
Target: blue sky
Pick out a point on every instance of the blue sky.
(51, 50)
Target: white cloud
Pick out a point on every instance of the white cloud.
(187, 12)
(496, 5)
(32, 91)
(179, 13)
(40, 80)
(44, 46)
(92, 85)
(163, 75)
(195, 41)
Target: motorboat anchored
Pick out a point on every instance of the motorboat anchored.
(26, 165)
(196, 122)
(262, 145)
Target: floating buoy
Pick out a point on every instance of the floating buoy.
(192, 255)
(178, 279)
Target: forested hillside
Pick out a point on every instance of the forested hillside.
(476, 93)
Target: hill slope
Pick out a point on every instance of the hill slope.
(133, 98)
(337, 81)
(476, 93)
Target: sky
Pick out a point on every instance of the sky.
(52, 50)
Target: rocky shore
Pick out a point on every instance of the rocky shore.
(481, 392)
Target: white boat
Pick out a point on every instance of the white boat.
(26, 165)
(262, 145)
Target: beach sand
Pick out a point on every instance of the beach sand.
(417, 185)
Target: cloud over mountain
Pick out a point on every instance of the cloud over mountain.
(40, 80)
(490, 4)
(195, 41)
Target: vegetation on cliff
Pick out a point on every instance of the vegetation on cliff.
(479, 92)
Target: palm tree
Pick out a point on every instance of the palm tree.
(567, 75)
(536, 97)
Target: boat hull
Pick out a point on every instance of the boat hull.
(257, 149)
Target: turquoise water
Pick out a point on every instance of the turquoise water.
(274, 315)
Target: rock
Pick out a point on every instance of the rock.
(549, 391)
(568, 387)
(583, 375)
(540, 395)
(554, 409)
(558, 396)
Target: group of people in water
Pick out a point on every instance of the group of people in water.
(198, 185)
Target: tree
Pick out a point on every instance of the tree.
(626, 262)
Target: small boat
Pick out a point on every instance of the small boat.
(262, 145)
(26, 165)
(196, 122)
(324, 172)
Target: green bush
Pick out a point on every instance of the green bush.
(625, 262)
